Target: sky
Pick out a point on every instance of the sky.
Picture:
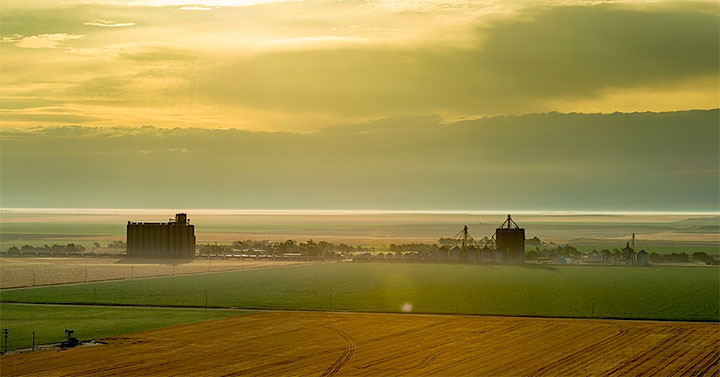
(372, 104)
(553, 161)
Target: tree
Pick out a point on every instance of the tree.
(704, 257)
(117, 245)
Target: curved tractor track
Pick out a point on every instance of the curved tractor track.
(344, 358)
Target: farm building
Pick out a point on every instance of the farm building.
(173, 239)
(412, 256)
(596, 258)
(628, 254)
(472, 254)
(643, 258)
(456, 254)
(486, 255)
(441, 253)
(362, 257)
(510, 239)
(498, 256)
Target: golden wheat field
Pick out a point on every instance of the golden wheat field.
(326, 344)
(26, 272)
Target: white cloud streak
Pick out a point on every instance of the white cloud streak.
(108, 23)
(54, 40)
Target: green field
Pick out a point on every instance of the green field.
(673, 293)
(50, 322)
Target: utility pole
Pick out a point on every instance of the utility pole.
(465, 237)
(33, 346)
(5, 334)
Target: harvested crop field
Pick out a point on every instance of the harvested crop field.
(325, 344)
(28, 272)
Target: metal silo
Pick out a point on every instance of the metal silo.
(510, 239)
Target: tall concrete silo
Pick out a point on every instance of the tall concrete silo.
(173, 239)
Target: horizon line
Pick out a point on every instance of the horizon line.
(208, 211)
(439, 116)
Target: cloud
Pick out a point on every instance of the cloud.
(519, 65)
(214, 3)
(107, 23)
(195, 8)
(12, 38)
(46, 118)
(303, 66)
(54, 40)
(532, 162)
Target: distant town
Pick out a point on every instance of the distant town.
(176, 239)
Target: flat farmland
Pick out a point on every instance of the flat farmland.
(675, 293)
(28, 272)
(353, 344)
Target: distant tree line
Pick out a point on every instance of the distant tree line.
(683, 258)
(565, 251)
(69, 248)
(422, 248)
(56, 248)
(115, 245)
(536, 249)
(309, 248)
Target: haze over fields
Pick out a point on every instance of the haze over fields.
(661, 233)
(374, 104)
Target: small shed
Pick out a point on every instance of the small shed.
(441, 253)
(596, 258)
(471, 255)
(456, 254)
(486, 255)
(499, 256)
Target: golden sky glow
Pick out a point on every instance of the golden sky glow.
(305, 65)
